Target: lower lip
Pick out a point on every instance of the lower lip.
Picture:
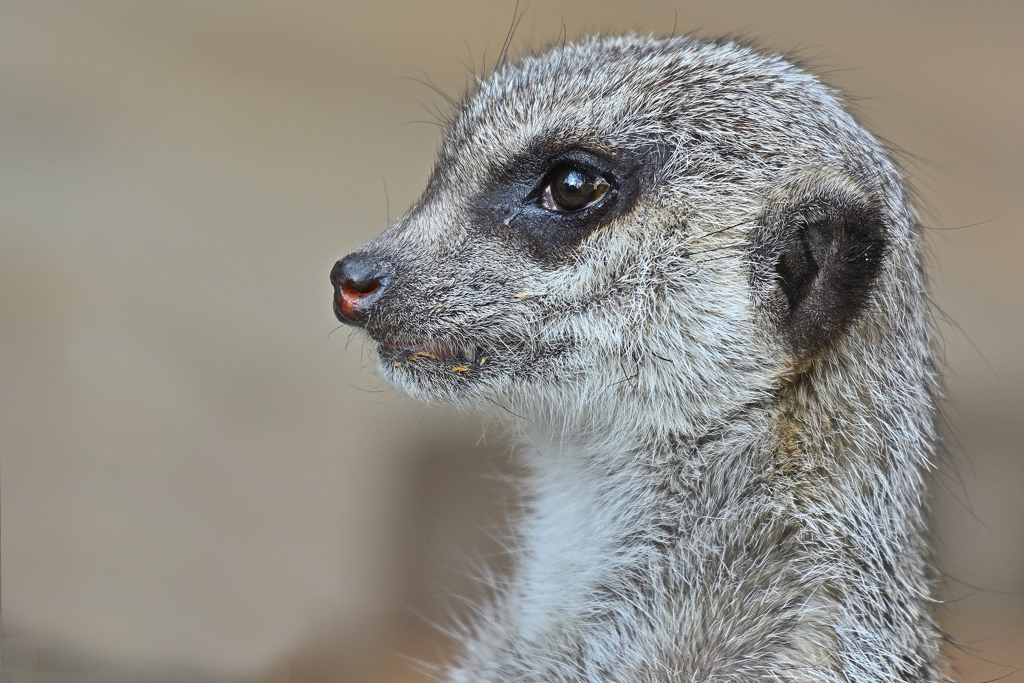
(439, 352)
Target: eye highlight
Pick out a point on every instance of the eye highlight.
(572, 189)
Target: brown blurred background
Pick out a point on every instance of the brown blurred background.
(200, 483)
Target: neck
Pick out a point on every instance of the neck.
(786, 539)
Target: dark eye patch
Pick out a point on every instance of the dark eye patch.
(595, 187)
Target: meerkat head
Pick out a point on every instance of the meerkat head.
(634, 231)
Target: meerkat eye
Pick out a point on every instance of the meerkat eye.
(572, 189)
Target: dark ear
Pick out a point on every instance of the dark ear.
(827, 252)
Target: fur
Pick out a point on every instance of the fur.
(722, 372)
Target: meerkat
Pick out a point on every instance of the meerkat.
(693, 282)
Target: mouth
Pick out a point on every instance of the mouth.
(460, 357)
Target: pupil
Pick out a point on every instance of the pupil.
(574, 182)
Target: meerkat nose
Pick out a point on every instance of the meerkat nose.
(359, 281)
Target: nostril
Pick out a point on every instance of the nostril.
(358, 288)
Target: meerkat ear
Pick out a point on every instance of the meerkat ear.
(827, 254)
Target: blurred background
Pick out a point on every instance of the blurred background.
(200, 481)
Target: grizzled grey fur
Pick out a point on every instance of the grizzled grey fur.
(721, 370)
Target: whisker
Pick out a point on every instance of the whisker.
(724, 246)
(721, 230)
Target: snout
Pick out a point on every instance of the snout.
(359, 280)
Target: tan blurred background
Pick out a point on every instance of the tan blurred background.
(200, 483)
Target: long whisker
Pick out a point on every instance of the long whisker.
(724, 246)
(721, 230)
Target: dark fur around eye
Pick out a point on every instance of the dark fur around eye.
(513, 204)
